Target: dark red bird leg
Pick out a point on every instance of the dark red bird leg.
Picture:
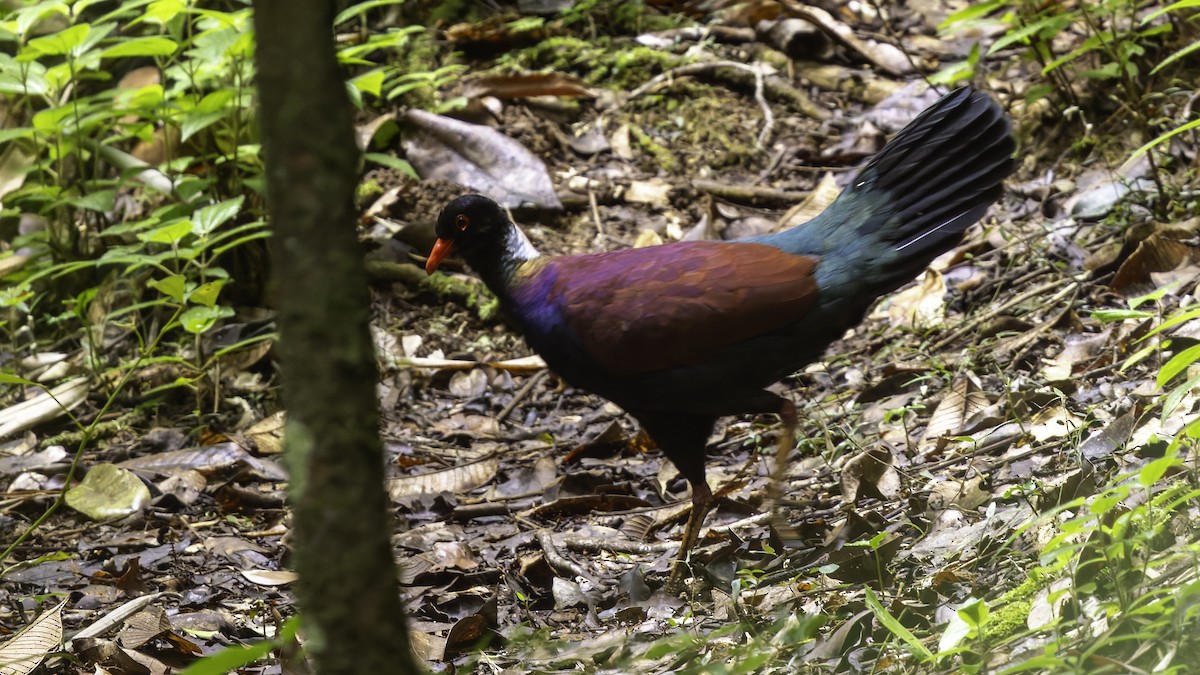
(787, 439)
(682, 438)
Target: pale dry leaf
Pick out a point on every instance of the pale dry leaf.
(365, 133)
(966, 495)
(468, 384)
(117, 616)
(480, 158)
(270, 577)
(1053, 422)
(23, 652)
(451, 555)
(43, 407)
(140, 77)
(15, 164)
(622, 147)
(1168, 251)
(1043, 611)
(524, 364)
(816, 202)
(1078, 348)
(921, 306)
(456, 479)
(267, 433)
(886, 57)
(410, 344)
(655, 192)
(963, 401)
(647, 238)
(870, 473)
(108, 491)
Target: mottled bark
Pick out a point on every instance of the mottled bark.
(348, 593)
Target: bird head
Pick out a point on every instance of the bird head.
(470, 226)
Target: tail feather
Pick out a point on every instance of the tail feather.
(912, 201)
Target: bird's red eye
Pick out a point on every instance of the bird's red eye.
(462, 221)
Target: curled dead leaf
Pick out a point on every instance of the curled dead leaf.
(480, 158)
(870, 474)
(456, 479)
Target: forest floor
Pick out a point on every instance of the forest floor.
(967, 459)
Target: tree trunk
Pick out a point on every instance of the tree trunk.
(347, 589)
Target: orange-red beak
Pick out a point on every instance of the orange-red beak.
(441, 249)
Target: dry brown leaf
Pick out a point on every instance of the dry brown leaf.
(208, 460)
(1171, 250)
(465, 635)
(267, 433)
(817, 201)
(1053, 422)
(953, 415)
(456, 479)
(527, 85)
(870, 473)
(921, 306)
(144, 627)
(885, 56)
(966, 495)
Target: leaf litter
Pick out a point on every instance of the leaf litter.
(921, 430)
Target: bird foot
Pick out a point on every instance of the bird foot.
(787, 442)
(681, 568)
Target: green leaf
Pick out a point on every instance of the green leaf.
(1177, 130)
(198, 319)
(233, 657)
(162, 11)
(57, 44)
(893, 624)
(1053, 23)
(1152, 472)
(362, 8)
(974, 612)
(1182, 4)
(209, 218)
(370, 82)
(9, 378)
(100, 200)
(973, 10)
(1172, 400)
(28, 17)
(206, 294)
(230, 659)
(146, 46)
(392, 162)
(1176, 56)
(1178, 364)
(173, 286)
(171, 233)
(1111, 315)
(15, 133)
(957, 630)
(1104, 503)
